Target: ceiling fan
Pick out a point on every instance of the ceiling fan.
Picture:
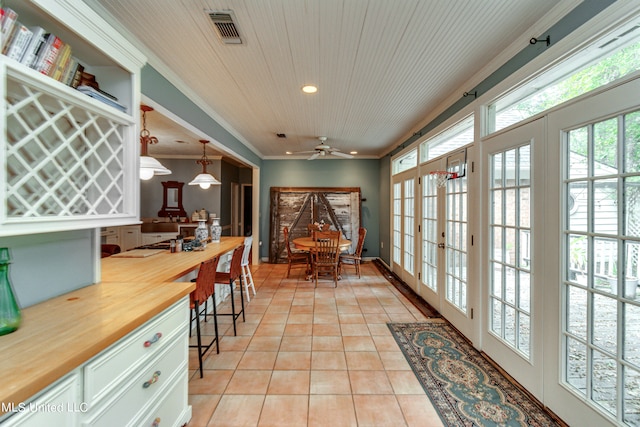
(323, 149)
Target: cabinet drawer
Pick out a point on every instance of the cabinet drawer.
(126, 356)
(146, 387)
(172, 409)
(59, 405)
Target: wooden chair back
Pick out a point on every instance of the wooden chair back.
(362, 233)
(327, 247)
(205, 281)
(287, 243)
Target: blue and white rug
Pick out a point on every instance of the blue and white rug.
(464, 387)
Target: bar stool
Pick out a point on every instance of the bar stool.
(235, 272)
(205, 289)
(247, 278)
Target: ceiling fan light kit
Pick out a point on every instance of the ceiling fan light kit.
(148, 165)
(323, 149)
(204, 179)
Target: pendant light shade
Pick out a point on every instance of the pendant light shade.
(204, 179)
(148, 165)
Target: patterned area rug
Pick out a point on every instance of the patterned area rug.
(465, 388)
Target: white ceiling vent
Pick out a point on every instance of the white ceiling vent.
(224, 23)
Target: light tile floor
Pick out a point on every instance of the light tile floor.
(311, 356)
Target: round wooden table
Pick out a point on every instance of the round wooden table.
(307, 243)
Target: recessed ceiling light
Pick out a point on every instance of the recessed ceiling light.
(309, 89)
(289, 152)
(354, 152)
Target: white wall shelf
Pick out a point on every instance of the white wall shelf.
(69, 161)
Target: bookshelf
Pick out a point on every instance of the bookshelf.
(69, 161)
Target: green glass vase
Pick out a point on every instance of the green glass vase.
(9, 311)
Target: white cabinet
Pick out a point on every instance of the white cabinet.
(59, 405)
(142, 377)
(128, 381)
(151, 238)
(129, 237)
(70, 160)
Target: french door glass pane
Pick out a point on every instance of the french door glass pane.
(632, 204)
(456, 242)
(430, 232)
(576, 312)
(578, 166)
(397, 223)
(603, 383)
(602, 250)
(409, 221)
(511, 247)
(632, 142)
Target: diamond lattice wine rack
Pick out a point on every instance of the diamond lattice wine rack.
(66, 157)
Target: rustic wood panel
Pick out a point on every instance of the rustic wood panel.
(295, 208)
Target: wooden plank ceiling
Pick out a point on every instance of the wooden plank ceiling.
(381, 66)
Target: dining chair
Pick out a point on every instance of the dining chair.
(326, 254)
(205, 289)
(229, 278)
(356, 257)
(247, 278)
(295, 257)
(313, 227)
(108, 249)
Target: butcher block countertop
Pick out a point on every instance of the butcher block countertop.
(165, 266)
(60, 334)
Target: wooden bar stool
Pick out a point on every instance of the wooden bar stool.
(235, 273)
(205, 289)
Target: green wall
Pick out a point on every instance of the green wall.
(325, 173)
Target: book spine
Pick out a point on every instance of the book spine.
(32, 49)
(77, 76)
(49, 55)
(19, 43)
(63, 59)
(69, 70)
(9, 19)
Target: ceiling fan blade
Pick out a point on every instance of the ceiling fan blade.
(314, 156)
(340, 154)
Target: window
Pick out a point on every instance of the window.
(453, 138)
(606, 60)
(405, 162)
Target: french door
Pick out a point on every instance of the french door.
(514, 183)
(593, 362)
(445, 240)
(404, 226)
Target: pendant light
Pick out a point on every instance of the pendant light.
(204, 180)
(148, 165)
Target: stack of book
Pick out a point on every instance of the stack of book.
(102, 96)
(44, 52)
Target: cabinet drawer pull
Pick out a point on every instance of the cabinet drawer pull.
(156, 374)
(156, 422)
(155, 338)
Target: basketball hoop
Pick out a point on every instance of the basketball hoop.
(441, 177)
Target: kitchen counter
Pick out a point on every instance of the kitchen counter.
(60, 334)
(164, 266)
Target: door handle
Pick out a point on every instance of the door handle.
(441, 245)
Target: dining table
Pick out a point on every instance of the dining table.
(308, 244)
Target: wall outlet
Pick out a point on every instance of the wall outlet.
(382, 245)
